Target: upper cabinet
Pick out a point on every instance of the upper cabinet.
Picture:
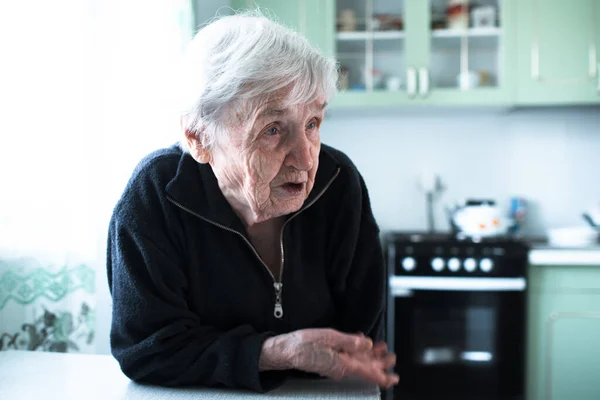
(424, 51)
(558, 52)
(453, 52)
(370, 43)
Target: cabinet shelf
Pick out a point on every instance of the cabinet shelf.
(376, 35)
(472, 32)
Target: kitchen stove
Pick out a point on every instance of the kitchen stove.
(456, 315)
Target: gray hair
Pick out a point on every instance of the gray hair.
(235, 63)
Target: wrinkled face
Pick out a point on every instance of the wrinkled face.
(266, 167)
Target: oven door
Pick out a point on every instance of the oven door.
(458, 338)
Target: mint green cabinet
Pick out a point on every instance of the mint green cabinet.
(535, 52)
(286, 12)
(563, 333)
(413, 63)
(429, 55)
(450, 52)
(558, 52)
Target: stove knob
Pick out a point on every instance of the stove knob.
(486, 264)
(470, 265)
(437, 264)
(453, 264)
(409, 263)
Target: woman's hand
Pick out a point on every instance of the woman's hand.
(331, 354)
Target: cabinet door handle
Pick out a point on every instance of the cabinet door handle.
(598, 78)
(423, 81)
(592, 60)
(411, 82)
(535, 61)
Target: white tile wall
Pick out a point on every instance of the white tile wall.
(549, 156)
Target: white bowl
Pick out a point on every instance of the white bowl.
(573, 236)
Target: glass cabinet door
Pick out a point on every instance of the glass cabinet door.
(466, 45)
(370, 45)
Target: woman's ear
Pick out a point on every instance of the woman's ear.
(197, 150)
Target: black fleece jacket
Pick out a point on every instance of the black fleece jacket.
(193, 303)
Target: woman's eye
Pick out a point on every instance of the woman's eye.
(311, 126)
(271, 131)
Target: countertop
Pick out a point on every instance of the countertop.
(38, 375)
(546, 254)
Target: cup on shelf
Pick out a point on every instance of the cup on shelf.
(393, 83)
(468, 80)
(457, 14)
(483, 17)
(376, 75)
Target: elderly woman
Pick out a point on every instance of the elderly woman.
(249, 251)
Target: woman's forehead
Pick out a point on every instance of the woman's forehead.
(282, 107)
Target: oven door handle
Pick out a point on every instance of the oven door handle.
(400, 286)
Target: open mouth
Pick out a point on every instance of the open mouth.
(293, 188)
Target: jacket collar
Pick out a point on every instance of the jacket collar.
(195, 188)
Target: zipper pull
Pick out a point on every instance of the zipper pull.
(278, 313)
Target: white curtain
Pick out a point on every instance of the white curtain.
(85, 92)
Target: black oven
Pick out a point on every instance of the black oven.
(456, 317)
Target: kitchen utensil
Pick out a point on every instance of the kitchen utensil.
(588, 218)
(578, 236)
(347, 20)
(483, 17)
(377, 76)
(430, 183)
(518, 213)
(393, 83)
(592, 216)
(387, 22)
(344, 78)
(479, 218)
(468, 80)
(457, 14)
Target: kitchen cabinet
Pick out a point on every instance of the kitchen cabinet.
(311, 18)
(433, 52)
(563, 333)
(411, 52)
(558, 52)
(406, 52)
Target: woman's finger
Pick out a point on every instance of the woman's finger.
(380, 349)
(349, 343)
(389, 361)
(367, 370)
(391, 380)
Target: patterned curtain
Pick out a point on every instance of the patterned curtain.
(46, 306)
(87, 83)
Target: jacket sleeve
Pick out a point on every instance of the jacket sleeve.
(154, 336)
(360, 277)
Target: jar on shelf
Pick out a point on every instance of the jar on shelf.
(457, 14)
(347, 20)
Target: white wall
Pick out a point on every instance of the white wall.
(549, 156)
(120, 161)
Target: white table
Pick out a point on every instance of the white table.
(48, 376)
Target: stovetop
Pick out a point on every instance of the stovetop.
(451, 238)
(447, 254)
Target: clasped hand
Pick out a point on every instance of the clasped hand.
(331, 354)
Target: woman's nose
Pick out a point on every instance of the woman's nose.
(299, 156)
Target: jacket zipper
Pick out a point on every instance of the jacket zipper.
(277, 284)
